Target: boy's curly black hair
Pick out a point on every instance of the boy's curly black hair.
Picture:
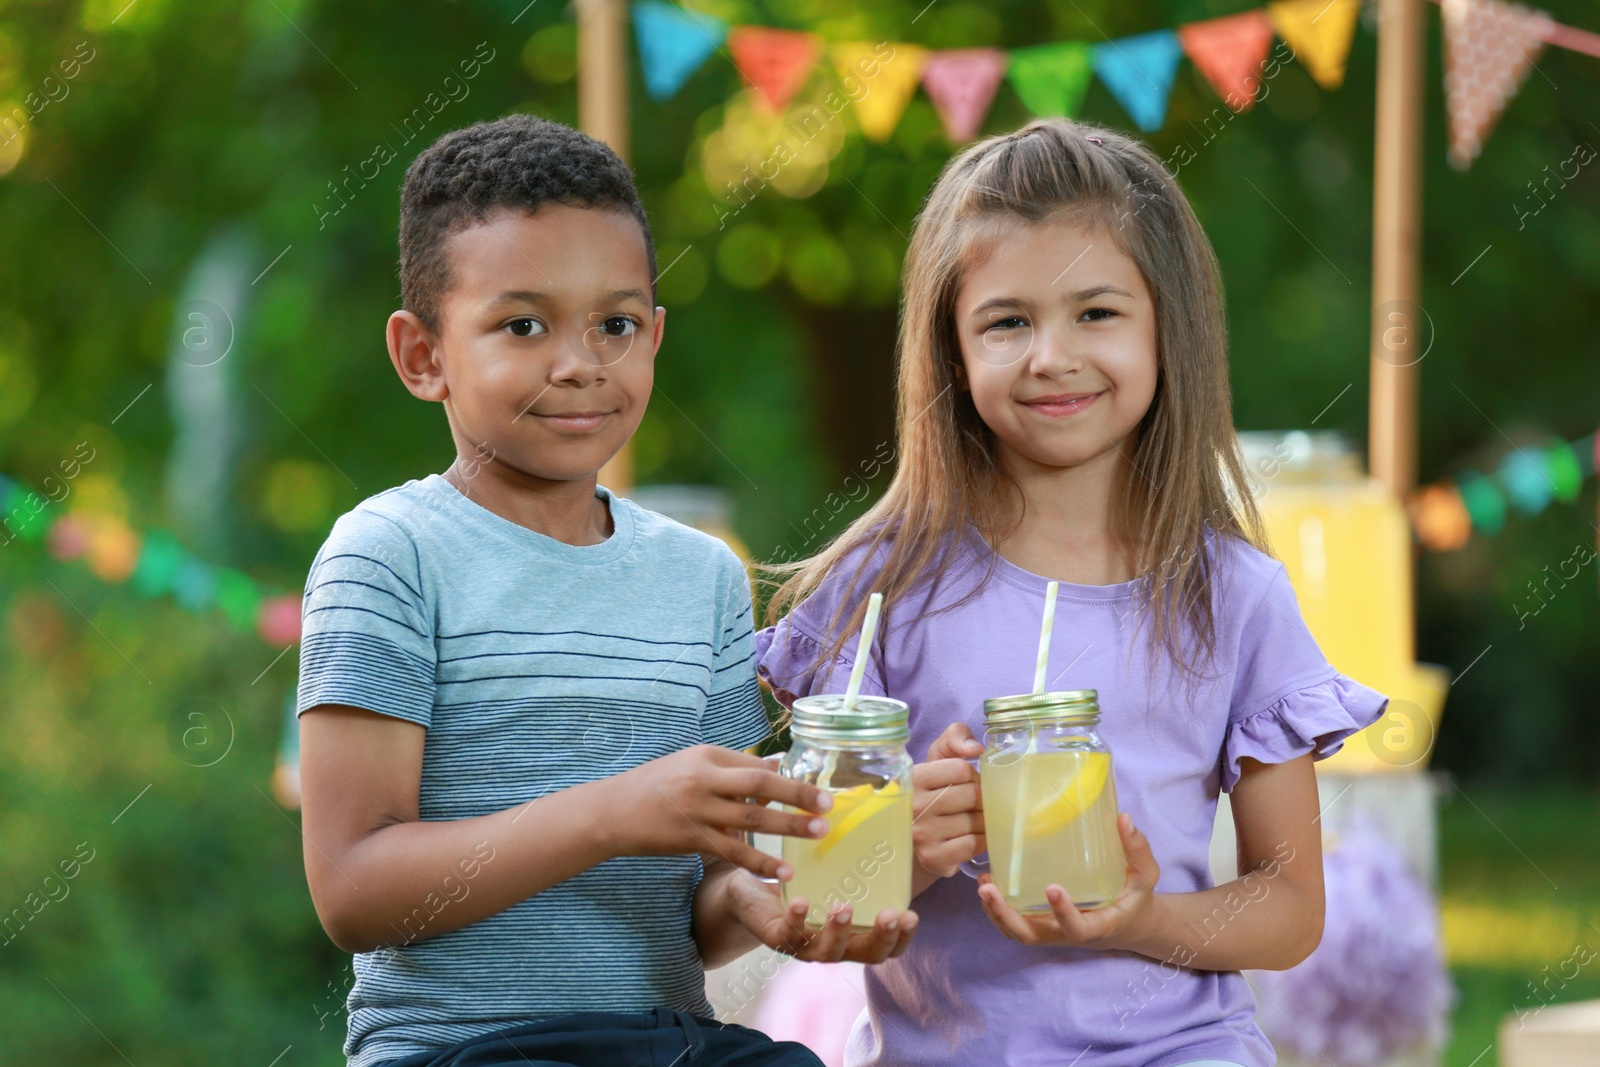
(513, 163)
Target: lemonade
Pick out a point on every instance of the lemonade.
(864, 860)
(1068, 831)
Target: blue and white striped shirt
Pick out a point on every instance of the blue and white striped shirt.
(535, 666)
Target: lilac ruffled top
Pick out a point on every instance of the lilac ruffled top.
(963, 993)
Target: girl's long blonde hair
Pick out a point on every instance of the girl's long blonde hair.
(1192, 479)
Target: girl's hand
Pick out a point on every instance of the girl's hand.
(1119, 925)
(946, 806)
(757, 907)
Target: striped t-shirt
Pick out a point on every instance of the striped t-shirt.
(535, 665)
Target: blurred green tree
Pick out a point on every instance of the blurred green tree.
(189, 937)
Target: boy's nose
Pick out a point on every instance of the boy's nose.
(574, 362)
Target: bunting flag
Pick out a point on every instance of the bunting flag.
(1320, 32)
(961, 83)
(1051, 79)
(673, 43)
(888, 83)
(775, 63)
(1139, 72)
(1489, 47)
(154, 564)
(1232, 54)
(1529, 478)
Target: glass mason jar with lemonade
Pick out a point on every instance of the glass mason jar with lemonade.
(858, 754)
(1049, 801)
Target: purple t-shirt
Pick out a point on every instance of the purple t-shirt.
(963, 993)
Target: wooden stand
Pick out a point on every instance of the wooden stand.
(603, 115)
(1562, 1035)
(1396, 240)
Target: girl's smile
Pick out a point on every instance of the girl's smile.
(1060, 405)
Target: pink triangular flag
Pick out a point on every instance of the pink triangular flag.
(961, 83)
(1489, 47)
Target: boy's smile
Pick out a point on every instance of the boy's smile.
(545, 353)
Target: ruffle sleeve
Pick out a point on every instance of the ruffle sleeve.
(790, 660)
(1315, 718)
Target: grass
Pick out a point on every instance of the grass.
(1519, 891)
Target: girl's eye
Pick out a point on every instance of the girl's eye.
(525, 327)
(1097, 312)
(1010, 322)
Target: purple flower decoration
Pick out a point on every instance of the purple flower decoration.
(1377, 985)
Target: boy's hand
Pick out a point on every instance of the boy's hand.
(758, 908)
(1118, 925)
(695, 801)
(947, 805)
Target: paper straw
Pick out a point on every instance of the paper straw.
(830, 763)
(1021, 814)
(1044, 636)
(869, 630)
(1040, 666)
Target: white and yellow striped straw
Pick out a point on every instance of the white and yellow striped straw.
(1040, 666)
(869, 630)
(1045, 631)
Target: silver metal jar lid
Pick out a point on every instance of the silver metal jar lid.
(825, 718)
(1034, 707)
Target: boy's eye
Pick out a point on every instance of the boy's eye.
(618, 326)
(525, 327)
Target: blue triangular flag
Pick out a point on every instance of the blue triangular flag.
(672, 44)
(1139, 72)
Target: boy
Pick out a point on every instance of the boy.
(521, 696)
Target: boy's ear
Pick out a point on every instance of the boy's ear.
(416, 353)
(659, 329)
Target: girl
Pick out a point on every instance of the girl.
(1064, 414)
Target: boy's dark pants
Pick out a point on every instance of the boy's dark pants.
(663, 1038)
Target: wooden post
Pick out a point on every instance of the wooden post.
(603, 115)
(1398, 325)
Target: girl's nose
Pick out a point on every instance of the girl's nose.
(1053, 355)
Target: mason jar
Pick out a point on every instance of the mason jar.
(1049, 801)
(859, 756)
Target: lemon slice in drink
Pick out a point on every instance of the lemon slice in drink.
(851, 808)
(1075, 795)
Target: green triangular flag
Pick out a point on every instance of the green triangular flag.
(1052, 78)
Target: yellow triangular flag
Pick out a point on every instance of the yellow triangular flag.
(1319, 31)
(880, 78)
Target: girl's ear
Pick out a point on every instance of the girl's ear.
(960, 369)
